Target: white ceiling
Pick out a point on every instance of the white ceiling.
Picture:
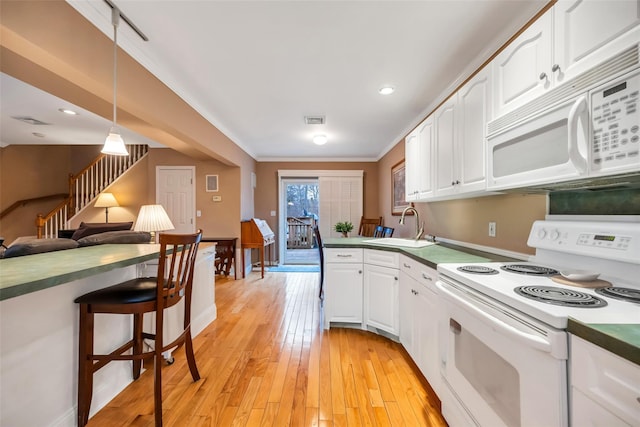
(255, 68)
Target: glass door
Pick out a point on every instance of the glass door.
(300, 203)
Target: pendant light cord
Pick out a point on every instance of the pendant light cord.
(115, 19)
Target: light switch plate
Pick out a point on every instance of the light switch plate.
(217, 198)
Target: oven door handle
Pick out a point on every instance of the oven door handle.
(530, 340)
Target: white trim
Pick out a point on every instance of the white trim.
(193, 188)
(319, 159)
(503, 252)
(293, 173)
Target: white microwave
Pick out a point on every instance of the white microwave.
(582, 134)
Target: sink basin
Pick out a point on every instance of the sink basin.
(405, 243)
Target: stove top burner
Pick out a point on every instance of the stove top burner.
(560, 296)
(535, 270)
(477, 269)
(625, 294)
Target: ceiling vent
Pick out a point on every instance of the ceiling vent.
(29, 120)
(314, 120)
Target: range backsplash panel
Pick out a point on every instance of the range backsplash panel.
(595, 202)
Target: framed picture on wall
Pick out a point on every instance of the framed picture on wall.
(398, 202)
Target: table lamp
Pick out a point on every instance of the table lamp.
(106, 201)
(153, 218)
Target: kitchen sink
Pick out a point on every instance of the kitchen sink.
(404, 243)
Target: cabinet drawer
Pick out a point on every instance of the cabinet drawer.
(382, 258)
(606, 378)
(425, 275)
(343, 255)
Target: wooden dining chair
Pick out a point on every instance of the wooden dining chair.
(368, 225)
(139, 296)
(316, 233)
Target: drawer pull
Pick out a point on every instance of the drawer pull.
(406, 265)
(395, 278)
(344, 255)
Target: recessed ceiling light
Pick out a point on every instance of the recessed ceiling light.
(320, 139)
(386, 90)
(67, 111)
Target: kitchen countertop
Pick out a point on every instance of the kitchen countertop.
(31, 273)
(620, 339)
(429, 255)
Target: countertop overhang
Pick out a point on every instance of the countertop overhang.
(31, 273)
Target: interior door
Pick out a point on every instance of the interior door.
(176, 193)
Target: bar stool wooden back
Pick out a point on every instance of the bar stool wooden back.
(139, 296)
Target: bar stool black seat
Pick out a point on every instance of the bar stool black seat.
(138, 296)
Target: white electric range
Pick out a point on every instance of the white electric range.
(504, 347)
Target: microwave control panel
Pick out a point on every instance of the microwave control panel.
(616, 123)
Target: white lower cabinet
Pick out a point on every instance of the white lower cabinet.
(381, 281)
(419, 318)
(605, 388)
(343, 281)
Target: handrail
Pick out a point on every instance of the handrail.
(24, 202)
(49, 224)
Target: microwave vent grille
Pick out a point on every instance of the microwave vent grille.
(621, 62)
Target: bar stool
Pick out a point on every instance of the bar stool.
(138, 296)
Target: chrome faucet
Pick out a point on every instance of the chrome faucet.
(419, 225)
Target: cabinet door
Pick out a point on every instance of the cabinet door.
(412, 166)
(406, 308)
(381, 298)
(585, 412)
(445, 125)
(425, 133)
(343, 292)
(589, 32)
(517, 70)
(426, 336)
(473, 114)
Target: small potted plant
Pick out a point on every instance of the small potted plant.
(344, 228)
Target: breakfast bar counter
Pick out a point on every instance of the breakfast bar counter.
(39, 326)
(26, 274)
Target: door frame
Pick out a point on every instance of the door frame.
(312, 174)
(160, 169)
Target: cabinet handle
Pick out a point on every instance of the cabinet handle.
(543, 76)
(424, 276)
(406, 265)
(455, 327)
(555, 68)
(457, 181)
(359, 271)
(395, 278)
(344, 256)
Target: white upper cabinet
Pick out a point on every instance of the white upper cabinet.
(572, 37)
(474, 111)
(418, 155)
(411, 166)
(445, 141)
(522, 71)
(587, 32)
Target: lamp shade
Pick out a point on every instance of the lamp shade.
(106, 200)
(153, 218)
(114, 144)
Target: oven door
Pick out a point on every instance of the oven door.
(551, 146)
(500, 368)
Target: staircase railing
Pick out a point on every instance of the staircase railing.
(85, 186)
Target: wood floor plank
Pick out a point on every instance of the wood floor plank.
(267, 361)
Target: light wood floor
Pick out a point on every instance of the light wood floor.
(266, 361)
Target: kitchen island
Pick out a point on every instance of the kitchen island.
(39, 326)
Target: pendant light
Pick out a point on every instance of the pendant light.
(114, 144)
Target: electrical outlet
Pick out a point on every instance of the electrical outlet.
(492, 229)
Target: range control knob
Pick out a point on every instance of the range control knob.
(554, 235)
(542, 233)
